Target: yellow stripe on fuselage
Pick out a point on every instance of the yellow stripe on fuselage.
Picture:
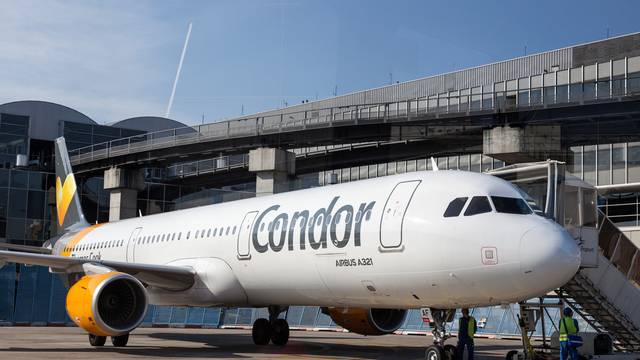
(76, 239)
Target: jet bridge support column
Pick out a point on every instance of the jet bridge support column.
(523, 144)
(123, 185)
(273, 168)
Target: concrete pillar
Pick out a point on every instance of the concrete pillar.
(273, 168)
(516, 145)
(123, 185)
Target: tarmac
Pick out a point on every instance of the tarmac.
(173, 343)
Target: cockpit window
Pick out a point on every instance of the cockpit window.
(510, 205)
(455, 207)
(478, 205)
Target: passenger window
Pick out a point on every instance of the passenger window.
(179, 235)
(215, 231)
(478, 205)
(234, 231)
(188, 233)
(510, 205)
(455, 207)
(227, 231)
(209, 233)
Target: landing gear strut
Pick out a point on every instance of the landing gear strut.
(275, 330)
(440, 351)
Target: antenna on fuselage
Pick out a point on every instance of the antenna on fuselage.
(434, 164)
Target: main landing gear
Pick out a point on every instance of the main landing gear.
(275, 330)
(117, 341)
(440, 351)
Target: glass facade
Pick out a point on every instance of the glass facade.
(25, 211)
(606, 164)
(78, 135)
(466, 162)
(14, 134)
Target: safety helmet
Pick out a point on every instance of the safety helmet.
(567, 311)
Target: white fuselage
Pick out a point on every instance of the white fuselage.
(374, 243)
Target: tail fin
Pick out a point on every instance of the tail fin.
(69, 212)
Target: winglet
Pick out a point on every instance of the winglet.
(434, 164)
(69, 212)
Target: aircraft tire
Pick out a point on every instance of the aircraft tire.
(512, 355)
(120, 341)
(96, 340)
(261, 332)
(434, 352)
(449, 352)
(280, 332)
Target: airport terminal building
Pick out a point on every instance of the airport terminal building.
(578, 105)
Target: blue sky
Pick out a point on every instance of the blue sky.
(117, 59)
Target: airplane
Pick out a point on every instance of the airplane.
(364, 251)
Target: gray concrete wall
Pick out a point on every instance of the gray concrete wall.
(605, 50)
(529, 143)
(123, 185)
(273, 168)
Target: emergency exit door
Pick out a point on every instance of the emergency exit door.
(131, 245)
(395, 208)
(244, 235)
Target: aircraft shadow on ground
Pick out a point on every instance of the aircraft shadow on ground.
(241, 346)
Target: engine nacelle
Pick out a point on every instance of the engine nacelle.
(368, 321)
(107, 304)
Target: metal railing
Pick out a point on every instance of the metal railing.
(504, 96)
(230, 162)
(619, 249)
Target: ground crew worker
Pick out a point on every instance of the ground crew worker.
(568, 326)
(466, 329)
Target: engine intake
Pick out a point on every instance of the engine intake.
(108, 304)
(368, 321)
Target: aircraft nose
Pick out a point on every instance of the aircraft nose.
(549, 256)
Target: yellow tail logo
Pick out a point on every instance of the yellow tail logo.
(64, 195)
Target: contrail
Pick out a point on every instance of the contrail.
(175, 81)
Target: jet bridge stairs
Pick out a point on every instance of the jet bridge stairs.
(606, 290)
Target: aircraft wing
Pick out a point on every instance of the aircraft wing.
(174, 278)
(25, 248)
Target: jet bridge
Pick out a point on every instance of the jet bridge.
(606, 290)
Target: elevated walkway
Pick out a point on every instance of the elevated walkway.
(558, 98)
(606, 290)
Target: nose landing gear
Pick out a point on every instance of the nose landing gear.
(275, 330)
(440, 351)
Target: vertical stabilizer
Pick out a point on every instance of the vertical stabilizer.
(69, 213)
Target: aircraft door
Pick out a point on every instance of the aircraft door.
(244, 235)
(393, 214)
(131, 245)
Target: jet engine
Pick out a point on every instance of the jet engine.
(108, 304)
(367, 321)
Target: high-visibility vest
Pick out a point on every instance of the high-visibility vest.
(471, 326)
(567, 327)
